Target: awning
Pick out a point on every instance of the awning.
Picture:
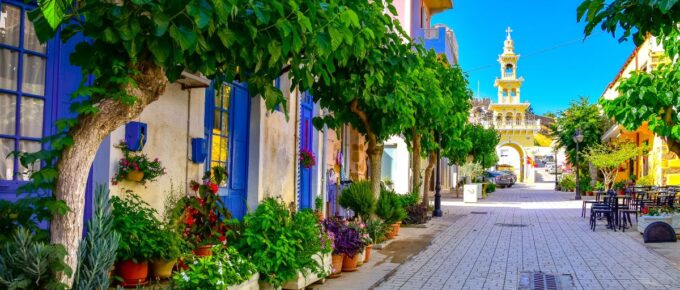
(612, 133)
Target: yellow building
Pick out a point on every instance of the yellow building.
(658, 164)
(509, 115)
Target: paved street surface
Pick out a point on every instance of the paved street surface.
(531, 229)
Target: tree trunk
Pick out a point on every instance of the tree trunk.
(431, 162)
(673, 146)
(415, 162)
(75, 161)
(375, 152)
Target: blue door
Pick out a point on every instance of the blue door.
(36, 81)
(227, 123)
(306, 142)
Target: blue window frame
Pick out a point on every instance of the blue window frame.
(219, 134)
(277, 84)
(24, 105)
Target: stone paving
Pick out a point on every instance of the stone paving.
(531, 229)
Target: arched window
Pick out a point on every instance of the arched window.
(518, 119)
(508, 119)
(508, 70)
(499, 119)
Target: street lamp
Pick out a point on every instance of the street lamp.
(557, 184)
(578, 138)
(438, 187)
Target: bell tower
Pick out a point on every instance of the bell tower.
(508, 84)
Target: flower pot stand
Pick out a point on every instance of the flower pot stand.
(673, 220)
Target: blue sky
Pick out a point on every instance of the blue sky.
(555, 61)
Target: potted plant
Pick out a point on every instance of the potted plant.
(166, 250)
(389, 209)
(358, 197)
(307, 158)
(225, 269)
(347, 242)
(205, 214)
(376, 231)
(318, 208)
(293, 235)
(137, 167)
(619, 187)
(133, 219)
(472, 191)
(333, 226)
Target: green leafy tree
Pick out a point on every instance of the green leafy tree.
(136, 48)
(442, 105)
(656, 17)
(580, 115)
(371, 92)
(483, 144)
(608, 157)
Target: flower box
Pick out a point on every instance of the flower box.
(250, 284)
(646, 220)
(306, 277)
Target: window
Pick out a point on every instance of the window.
(513, 92)
(219, 152)
(22, 89)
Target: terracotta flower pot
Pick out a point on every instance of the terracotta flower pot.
(162, 269)
(395, 228)
(349, 264)
(367, 253)
(135, 176)
(203, 251)
(132, 273)
(390, 234)
(337, 265)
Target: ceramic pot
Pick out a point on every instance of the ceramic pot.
(395, 228)
(132, 273)
(367, 253)
(162, 269)
(337, 265)
(349, 264)
(203, 251)
(135, 176)
(390, 234)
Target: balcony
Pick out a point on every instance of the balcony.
(442, 40)
(510, 125)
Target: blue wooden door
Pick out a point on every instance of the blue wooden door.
(306, 142)
(227, 126)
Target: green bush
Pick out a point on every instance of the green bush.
(358, 197)
(280, 244)
(29, 264)
(377, 229)
(224, 268)
(408, 200)
(568, 182)
(134, 220)
(491, 188)
(646, 180)
(389, 207)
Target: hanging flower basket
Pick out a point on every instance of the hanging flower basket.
(307, 158)
(135, 176)
(137, 167)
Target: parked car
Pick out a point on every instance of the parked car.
(511, 173)
(500, 178)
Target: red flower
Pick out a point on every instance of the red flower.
(222, 239)
(194, 185)
(200, 201)
(213, 188)
(189, 220)
(645, 210)
(212, 217)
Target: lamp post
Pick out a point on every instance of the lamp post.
(557, 184)
(437, 189)
(578, 138)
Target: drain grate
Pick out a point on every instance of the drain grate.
(542, 281)
(479, 212)
(510, 225)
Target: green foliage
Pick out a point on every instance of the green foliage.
(652, 98)
(97, 251)
(318, 203)
(134, 219)
(407, 200)
(280, 244)
(568, 182)
(472, 170)
(358, 197)
(608, 157)
(646, 180)
(389, 207)
(205, 213)
(580, 115)
(619, 185)
(28, 212)
(633, 17)
(599, 186)
(377, 229)
(491, 187)
(226, 267)
(29, 264)
(131, 161)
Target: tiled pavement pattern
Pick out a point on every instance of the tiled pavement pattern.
(477, 253)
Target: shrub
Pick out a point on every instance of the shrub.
(567, 182)
(408, 200)
(29, 264)
(389, 208)
(358, 197)
(646, 180)
(280, 244)
(97, 251)
(347, 239)
(491, 188)
(29, 212)
(377, 229)
(134, 219)
(416, 214)
(224, 268)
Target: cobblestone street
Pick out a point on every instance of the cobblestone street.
(531, 229)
